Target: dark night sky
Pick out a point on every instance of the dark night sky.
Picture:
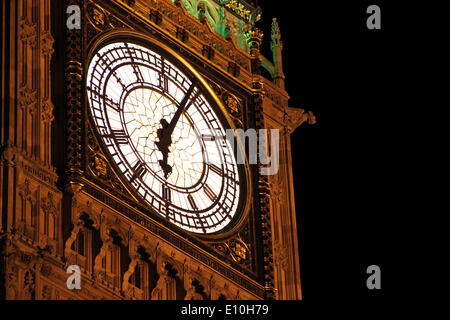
(343, 166)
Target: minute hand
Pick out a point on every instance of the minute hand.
(165, 133)
(181, 108)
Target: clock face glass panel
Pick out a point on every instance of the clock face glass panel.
(164, 136)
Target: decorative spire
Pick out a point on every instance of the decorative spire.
(276, 35)
(277, 47)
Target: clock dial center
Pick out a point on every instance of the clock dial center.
(169, 149)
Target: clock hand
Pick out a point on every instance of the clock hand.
(163, 146)
(181, 108)
(165, 133)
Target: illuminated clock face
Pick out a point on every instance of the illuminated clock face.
(164, 136)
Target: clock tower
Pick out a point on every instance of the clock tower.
(127, 153)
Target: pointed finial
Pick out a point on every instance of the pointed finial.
(276, 35)
(275, 29)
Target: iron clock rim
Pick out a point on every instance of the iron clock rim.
(189, 219)
(110, 60)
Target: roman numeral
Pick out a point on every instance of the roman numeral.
(230, 175)
(139, 171)
(216, 170)
(208, 137)
(119, 136)
(105, 61)
(164, 83)
(163, 79)
(209, 193)
(166, 193)
(136, 70)
(119, 81)
(192, 202)
(211, 137)
(95, 90)
(112, 104)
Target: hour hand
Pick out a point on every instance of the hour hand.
(167, 168)
(165, 140)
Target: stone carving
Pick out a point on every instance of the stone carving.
(135, 263)
(25, 190)
(233, 104)
(280, 252)
(166, 286)
(100, 165)
(28, 32)
(97, 17)
(293, 118)
(46, 292)
(234, 107)
(194, 290)
(48, 204)
(27, 99)
(8, 155)
(47, 42)
(29, 283)
(46, 269)
(47, 111)
(25, 258)
(237, 249)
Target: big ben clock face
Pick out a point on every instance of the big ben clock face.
(165, 138)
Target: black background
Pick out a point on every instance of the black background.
(346, 168)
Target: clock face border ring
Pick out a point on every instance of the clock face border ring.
(246, 197)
